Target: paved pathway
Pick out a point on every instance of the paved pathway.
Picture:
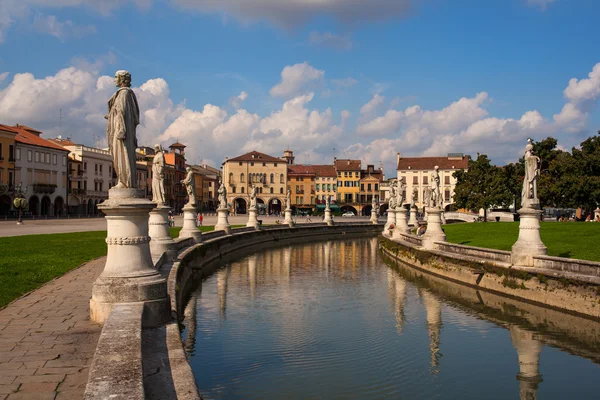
(47, 341)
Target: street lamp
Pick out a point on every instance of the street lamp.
(20, 202)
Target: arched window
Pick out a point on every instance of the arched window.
(280, 190)
(242, 177)
(271, 190)
(281, 179)
(231, 177)
(272, 178)
(242, 189)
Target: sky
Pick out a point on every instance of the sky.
(363, 79)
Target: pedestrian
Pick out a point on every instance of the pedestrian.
(200, 219)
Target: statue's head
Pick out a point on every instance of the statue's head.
(122, 78)
(157, 147)
(188, 169)
(436, 168)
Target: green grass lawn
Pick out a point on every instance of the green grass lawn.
(563, 239)
(27, 262)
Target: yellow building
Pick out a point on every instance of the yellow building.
(7, 167)
(301, 182)
(268, 173)
(348, 181)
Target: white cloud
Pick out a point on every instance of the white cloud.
(237, 101)
(296, 79)
(331, 40)
(344, 83)
(371, 107)
(291, 13)
(584, 90)
(4, 75)
(62, 30)
(542, 4)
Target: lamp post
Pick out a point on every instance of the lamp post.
(20, 202)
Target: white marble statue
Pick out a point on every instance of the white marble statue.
(253, 197)
(158, 176)
(288, 202)
(327, 202)
(190, 186)
(374, 204)
(392, 199)
(401, 194)
(436, 193)
(413, 197)
(222, 195)
(123, 118)
(529, 197)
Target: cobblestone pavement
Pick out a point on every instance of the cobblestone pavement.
(47, 341)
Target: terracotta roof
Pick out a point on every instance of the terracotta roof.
(299, 169)
(428, 163)
(256, 156)
(62, 142)
(177, 144)
(27, 128)
(26, 137)
(325, 170)
(7, 128)
(347, 165)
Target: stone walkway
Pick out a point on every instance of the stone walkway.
(47, 341)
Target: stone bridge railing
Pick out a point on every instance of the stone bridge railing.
(460, 216)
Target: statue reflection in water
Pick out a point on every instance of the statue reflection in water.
(222, 278)
(397, 294)
(189, 342)
(252, 274)
(433, 309)
(528, 351)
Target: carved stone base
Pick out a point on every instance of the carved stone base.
(328, 220)
(190, 229)
(434, 232)
(401, 224)
(223, 220)
(288, 217)
(373, 217)
(158, 230)
(596, 213)
(413, 218)
(129, 275)
(252, 219)
(529, 243)
(391, 219)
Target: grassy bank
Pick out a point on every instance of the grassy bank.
(563, 239)
(27, 262)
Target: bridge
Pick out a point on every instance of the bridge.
(460, 216)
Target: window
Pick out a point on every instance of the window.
(264, 164)
(271, 190)
(369, 187)
(96, 169)
(425, 180)
(242, 189)
(362, 187)
(84, 185)
(252, 163)
(11, 152)
(272, 178)
(109, 170)
(231, 177)
(29, 155)
(18, 154)
(317, 187)
(100, 169)
(356, 174)
(47, 158)
(447, 180)
(241, 163)
(346, 174)
(260, 190)
(85, 166)
(281, 178)
(447, 195)
(376, 187)
(233, 190)
(339, 174)
(64, 161)
(297, 200)
(275, 165)
(242, 180)
(415, 180)
(280, 190)
(37, 156)
(54, 159)
(1, 158)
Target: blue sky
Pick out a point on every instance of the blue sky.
(209, 73)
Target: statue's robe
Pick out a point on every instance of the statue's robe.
(190, 186)
(158, 188)
(123, 118)
(529, 192)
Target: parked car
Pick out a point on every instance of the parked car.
(348, 214)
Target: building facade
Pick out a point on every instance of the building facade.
(41, 166)
(176, 196)
(7, 168)
(268, 173)
(326, 186)
(207, 179)
(416, 173)
(301, 182)
(356, 187)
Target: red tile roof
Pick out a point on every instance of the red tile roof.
(347, 165)
(325, 170)
(27, 128)
(7, 128)
(428, 163)
(62, 142)
(257, 156)
(299, 169)
(26, 137)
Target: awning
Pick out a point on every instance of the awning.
(332, 207)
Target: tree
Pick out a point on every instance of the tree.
(483, 185)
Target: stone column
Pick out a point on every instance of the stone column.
(529, 243)
(129, 275)
(443, 218)
(374, 216)
(158, 230)
(391, 219)
(288, 217)
(413, 217)
(401, 224)
(434, 232)
(223, 220)
(528, 352)
(190, 229)
(328, 220)
(252, 220)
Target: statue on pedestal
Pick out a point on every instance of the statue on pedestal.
(529, 197)
(123, 118)
(158, 176)
(401, 194)
(190, 186)
(436, 193)
(413, 197)
(288, 203)
(253, 197)
(374, 203)
(222, 195)
(327, 202)
(392, 200)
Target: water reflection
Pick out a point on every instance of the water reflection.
(336, 316)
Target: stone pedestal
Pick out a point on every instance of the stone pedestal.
(596, 214)
(391, 219)
(413, 218)
(434, 231)
(373, 217)
(158, 230)
(223, 220)
(328, 220)
(252, 220)
(529, 243)
(190, 229)
(288, 217)
(401, 224)
(443, 218)
(129, 275)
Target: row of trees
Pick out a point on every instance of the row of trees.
(567, 180)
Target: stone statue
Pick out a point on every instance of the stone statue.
(392, 199)
(190, 186)
(436, 193)
(374, 203)
(123, 118)
(158, 176)
(401, 194)
(222, 195)
(327, 202)
(529, 197)
(427, 197)
(413, 197)
(288, 202)
(253, 197)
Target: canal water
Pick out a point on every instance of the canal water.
(336, 320)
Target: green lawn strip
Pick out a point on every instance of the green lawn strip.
(563, 239)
